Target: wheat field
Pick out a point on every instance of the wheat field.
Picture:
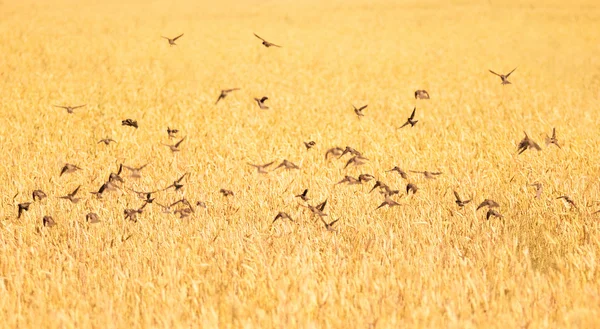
(426, 263)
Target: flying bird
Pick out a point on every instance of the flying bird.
(172, 40)
(460, 202)
(266, 43)
(106, 141)
(48, 221)
(388, 202)
(69, 109)
(38, 195)
(527, 143)
(68, 168)
(175, 147)
(224, 94)
(349, 150)
(261, 169)
(130, 123)
(287, 165)
(492, 213)
(427, 174)
(378, 184)
(421, 94)
(356, 160)
(303, 195)
(397, 169)
(488, 203)
(309, 144)
(568, 200)
(225, 192)
(365, 177)
(358, 111)
(504, 77)
(411, 187)
(335, 151)
(553, 139)
(92, 218)
(348, 179)
(23, 207)
(172, 132)
(71, 196)
(538, 189)
(329, 226)
(177, 183)
(261, 102)
(282, 215)
(135, 172)
(411, 120)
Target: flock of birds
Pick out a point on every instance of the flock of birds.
(185, 208)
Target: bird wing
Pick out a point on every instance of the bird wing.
(412, 115)
(511, 72)
(362, 108)
(177, 37)
(256, 35)
(495, 73)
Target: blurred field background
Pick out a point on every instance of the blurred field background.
(425, 264)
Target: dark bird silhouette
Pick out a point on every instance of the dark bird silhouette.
(261, 102)
(488, 203)
(335, 151)
(68, 168)
(358, 111)
(527, 143)
(71, 196)
(356, 160)
(282, 215)
(411, 187)
(69, 109)
(504, 77)
(48, 221)
(116, 177)
(225, 192)
(402, 173)
(387, 191)
(23, 207)
(92, 218)
(287, 165)
(568, 200)
(261, 169)
(538, 189)
(172, 40)
(378, 184)
(492, 213)
(309, 145)
(177, 183)
(421, 94)
(427, 174)
(303, 195)
(365, 178)
(460, 202)
(348, 179)
(172, 132)
(329, 226)
(411, 120)
(130, 123)
(266, 43)
(175, 147)
(388, 202)
(349, 150)
(106, 187)
(553, 139)
(106, 141)
(224, 94)
(135, 172)
(38, 195)
(321, 206)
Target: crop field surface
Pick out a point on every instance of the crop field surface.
(242, 248)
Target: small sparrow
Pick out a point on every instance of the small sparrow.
(224, 94)
(172, 132)
(461, 203)
(69, 109)
(225, 192)
(23, 207)
(553, 139)
(421, 94)
(309, 145)
(303, 195)
(172, 41)
(266, 43)
(68, 168)
(175, 147)
(282, 215)
(261, 102)
(287, 165)
(106, 141)
(488, 203)
(504, 77)
(492, 212)
(261, 169)
(130, 123)
(38, 195)
(402, 173)
(92, 218)
(411, 120)
(48, 221)
(388, 202)
(71, 196)
(358, 111)
(527, 143)
(411, 187)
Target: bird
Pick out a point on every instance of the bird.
(172, 132)
(261, 102)
(388, 202)
(357, 160)
(68, 168)
(348, 179)
(427, 174)
(92, 218)
(492, 212)
(115, 177)
(175, 147)
(303, 195)
(329, 226)
(131, 214)
(397, 169)
(421, 94)
(71, 196)
(106, 141)
(553, 139)
(411, 120)
(378, 184)
(108, 186)
(538, 189)
(411, 187)
(504, 77)
(177, 183)
(266, 43)
(172, 40)
(38, 195)
(527, 143)
(488, 203)
(335, 151)
(130, 123)
(309, 144)
(261, 169)
(365, 177)
(287, 165)
(69, 109)
(349, 150)
(185, 202)
(282, 215)
(461, 203)
(48, 221)
(358, 111)
(568, 200)
(135, 172)
(23, 207)
(224, 94)
(319, 209)
(201, 204)
(387, 191)
(183, 212)
(225, 192)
